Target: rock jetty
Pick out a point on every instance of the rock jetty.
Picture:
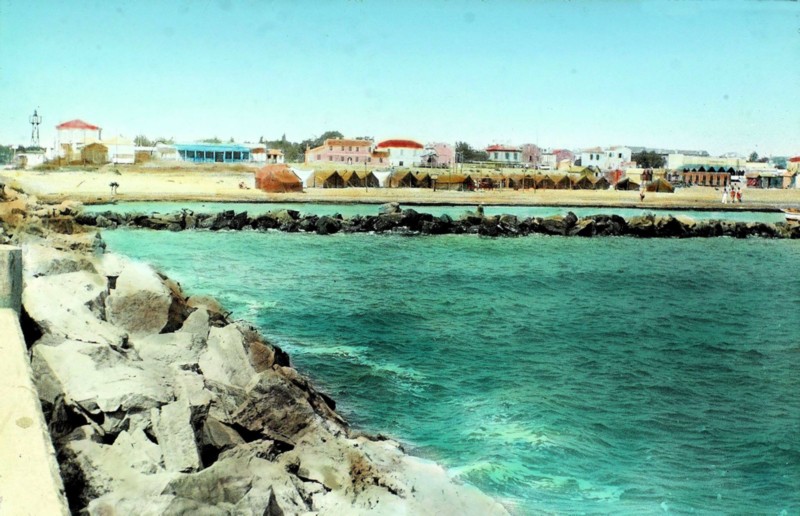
(159, 403)
(392, 219)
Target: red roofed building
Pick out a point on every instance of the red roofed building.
(504, 154)
(402, 153)
(793, 165)
(73, 133)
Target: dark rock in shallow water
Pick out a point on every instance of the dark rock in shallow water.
(309, 223)
(387, 222)
(240, 220)
(266, 221)
(583, 228)
(553, 225)
(389, 208)
(328, 225)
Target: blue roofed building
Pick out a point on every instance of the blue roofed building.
(213, 153)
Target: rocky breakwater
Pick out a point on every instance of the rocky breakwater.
(160, 403)
(392, 219)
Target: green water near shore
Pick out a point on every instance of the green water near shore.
(598, 376)
(348, 210)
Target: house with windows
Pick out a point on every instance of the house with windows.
(505, 154)
(402, 153)
(609, 158)
(438, 155)
(341, 150)
(213, 153)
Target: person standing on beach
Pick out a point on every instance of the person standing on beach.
(641, 195)
(739, 194)
(725, 195)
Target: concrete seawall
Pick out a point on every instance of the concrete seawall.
(30, 482)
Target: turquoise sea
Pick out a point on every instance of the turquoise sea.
(560, 375)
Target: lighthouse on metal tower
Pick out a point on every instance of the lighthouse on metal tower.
(36, 120)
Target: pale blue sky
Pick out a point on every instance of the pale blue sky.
(720, 76)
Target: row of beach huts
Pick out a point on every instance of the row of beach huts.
(283, 178)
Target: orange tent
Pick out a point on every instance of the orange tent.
(278, 178)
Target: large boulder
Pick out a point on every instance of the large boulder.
(172, 426)
(389, 208)
(71, 305)
(43, 260)
(97, 378)
(225, 359)
(140, 302)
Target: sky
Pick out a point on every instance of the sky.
(721, 76)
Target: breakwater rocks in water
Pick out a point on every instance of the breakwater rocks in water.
(160, 403)
(392, 219)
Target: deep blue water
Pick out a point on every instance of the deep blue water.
(348, 210)
(560, 375)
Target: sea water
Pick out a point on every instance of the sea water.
(559, 375)
(351, 209)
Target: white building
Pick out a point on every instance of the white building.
(610, 158)
(120, 150)
(548, 160)
(402, 153)
(681, 161)
(504, 154)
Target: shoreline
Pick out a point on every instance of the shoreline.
(188, 184)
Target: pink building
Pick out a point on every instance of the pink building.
(340, 150)
(438, 155)
(530, 154)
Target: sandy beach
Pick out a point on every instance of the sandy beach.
(221, 183)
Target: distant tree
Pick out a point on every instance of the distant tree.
(780, 162)
(753, 157)
(161, 139)
(648, 159)
(326, 136)
(231, 140)
(6, 153)
(211, 140)
(465, 152)
(143, 141)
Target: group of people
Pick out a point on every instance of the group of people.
(734, 193)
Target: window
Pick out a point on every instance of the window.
(350, 148)
(620, 155)
(237, 155)
(330, 148)
(342, 148)
(356, 159)
(319, 157)
(506, 156)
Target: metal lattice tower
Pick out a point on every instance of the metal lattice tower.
(35, 120)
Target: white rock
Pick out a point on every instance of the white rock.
(225, 359)
(70, 305)
(172, 425)
(169, 348)
(197, 323)
(140, 301)
(97, 377)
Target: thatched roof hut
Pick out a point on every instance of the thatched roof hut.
(278, 178)
(660, 184)
(323, 179)
(582, 183)
(600, 183)
(402, 179)
(424, 180)
(520, 181)
(626, 184)
(545, 182)
(458, 182)
(561, 182)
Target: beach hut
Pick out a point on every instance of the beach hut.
(278, 178)
(402, 179)
(582, 183)
(323, 179)
(360, 179)
(626, 184)
(95, 153)
(660, 184)
(600, 183)
(424, 180)
(544, 182)
(561, 182)
(459, 182)
(518, 181)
